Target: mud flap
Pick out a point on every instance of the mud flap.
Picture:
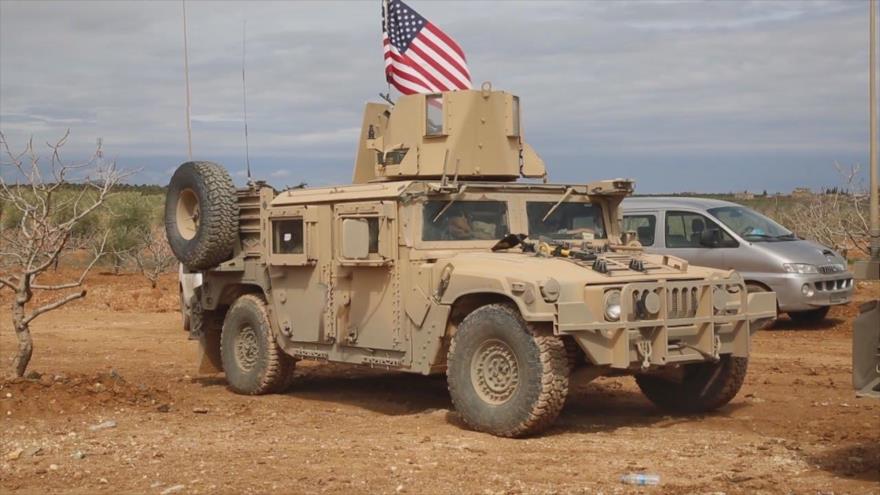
(209, 352)
(866, 350)
(761, 309)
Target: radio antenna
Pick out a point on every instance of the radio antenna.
(189, 139)
(247, 153)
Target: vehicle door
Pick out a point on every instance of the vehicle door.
(366, 288)
(296, 301)
(696, 238)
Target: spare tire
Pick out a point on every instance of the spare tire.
(201, 215)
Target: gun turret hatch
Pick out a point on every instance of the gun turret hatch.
(468, 135)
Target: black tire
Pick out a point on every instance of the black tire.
(252, 360)
(505, 377)
(810, 317)
(201, 215)
(752, 287)
(703, 386)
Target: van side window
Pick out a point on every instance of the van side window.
(683, 230)
(643, 225)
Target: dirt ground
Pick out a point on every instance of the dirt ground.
(119, 408)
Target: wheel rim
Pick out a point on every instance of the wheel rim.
(494, 372)
(247, 349)
(188, 213)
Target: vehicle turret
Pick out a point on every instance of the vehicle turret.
(475, 134)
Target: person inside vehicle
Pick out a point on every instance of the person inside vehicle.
(461, 227)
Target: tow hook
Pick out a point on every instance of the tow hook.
(645, 349)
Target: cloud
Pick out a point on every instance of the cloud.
(640, 86)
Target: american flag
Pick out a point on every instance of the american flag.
(419, 57)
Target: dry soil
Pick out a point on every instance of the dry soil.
(116, 406)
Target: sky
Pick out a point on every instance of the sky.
(680, 96)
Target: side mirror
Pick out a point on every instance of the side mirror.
(355, 239)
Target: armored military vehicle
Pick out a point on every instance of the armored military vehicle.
(439, 259)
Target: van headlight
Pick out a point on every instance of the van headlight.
(800, 268)
(612, 305)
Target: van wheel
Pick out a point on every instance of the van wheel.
(201, 215)
(751, 288)
(252, 360)
(701, 387)
(810, 317)
(505, 377)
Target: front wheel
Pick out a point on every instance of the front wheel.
(505, 377)
(810, 317)
(252, 361)
(701, 387)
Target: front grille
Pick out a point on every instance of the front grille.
(682, 302)
(826, 269)
(638, 310)
(832, 285)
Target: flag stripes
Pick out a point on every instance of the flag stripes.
(419, 56)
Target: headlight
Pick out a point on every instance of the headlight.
(800, 268)
(550, 290)
(612, 305)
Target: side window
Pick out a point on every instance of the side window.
(287, 236)
(373, 224)
(686, 230)
(643, 225)
(365, 233)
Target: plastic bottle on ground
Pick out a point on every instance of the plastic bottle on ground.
(640, 479)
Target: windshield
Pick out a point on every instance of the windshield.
(569, 221)
(751, 225)
(464, 220)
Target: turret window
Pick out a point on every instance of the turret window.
(434, 115)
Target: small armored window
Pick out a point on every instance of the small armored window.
(287, 236)
(434, 115)
(373, 225)
(514, 114)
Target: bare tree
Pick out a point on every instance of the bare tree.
(53, 205)
(153, 257)
(838, 217)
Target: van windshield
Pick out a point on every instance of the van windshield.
(751, 225)
(568, 221)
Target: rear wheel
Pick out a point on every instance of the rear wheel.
(252, 360)
(810, 317)
(505, 377)
(701, 387)
(752, 287)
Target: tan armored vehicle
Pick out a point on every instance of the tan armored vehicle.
(438, 260)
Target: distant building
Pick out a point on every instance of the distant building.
(743, 195)
(801, 192)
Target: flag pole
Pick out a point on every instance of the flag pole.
(186, 74)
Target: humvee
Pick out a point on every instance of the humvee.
(450, 253)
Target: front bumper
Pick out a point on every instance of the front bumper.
(688, 327)
(828, 290)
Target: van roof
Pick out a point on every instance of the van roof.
(666, 202)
